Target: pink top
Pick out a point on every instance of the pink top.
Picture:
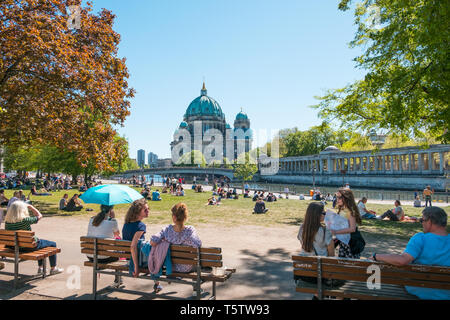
(187, 237)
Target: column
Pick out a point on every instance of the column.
(361, 164)
(392, 163)
(375, 163)
(430, 161)
(329, 165)
(441, 162)
(409, 162)
(400, 163)
(420, 159)
(383, 163)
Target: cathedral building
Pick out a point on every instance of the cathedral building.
(205, 125)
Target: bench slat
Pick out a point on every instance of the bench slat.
(21, 244)
(23, 233)
(119, 266)
(105, 247)
(203, 263)
(174, 247)
(386, 272)
(11, 238)
(120, 243)
(366, 263)
(179, 254)
(388, 280)
(107, 253)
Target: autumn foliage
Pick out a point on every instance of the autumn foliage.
(60, 86)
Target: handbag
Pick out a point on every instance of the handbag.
(357, 242)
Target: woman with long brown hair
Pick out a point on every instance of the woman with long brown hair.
(314, 237)
(348, 209)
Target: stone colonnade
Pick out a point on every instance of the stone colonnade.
(408, 160)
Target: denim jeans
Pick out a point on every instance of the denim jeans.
(44, 244)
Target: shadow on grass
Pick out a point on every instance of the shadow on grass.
(50, 210)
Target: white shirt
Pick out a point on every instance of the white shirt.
(106, 229)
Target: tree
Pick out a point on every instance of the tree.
(62, 87)
(406, 88)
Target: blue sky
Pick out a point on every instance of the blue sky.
(268, 57)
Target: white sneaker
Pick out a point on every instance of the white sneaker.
(56, 270)
(40, 271)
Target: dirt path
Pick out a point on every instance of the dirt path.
(262, 257)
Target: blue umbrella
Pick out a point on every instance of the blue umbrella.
(110, 194)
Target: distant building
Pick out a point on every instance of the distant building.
(152, 160)
(141, 158)
(164, 163)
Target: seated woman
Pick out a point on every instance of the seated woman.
(63, 202)
(260, 207)
(18, 218)
(396, 214)
(367, 214)
(104, 225)
(178, 233)
(246, 194)
(315, 238)
(212, 201)
(74, 204)
(417, 202)
(35, 193)
(3, 200)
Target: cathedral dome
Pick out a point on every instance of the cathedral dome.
(204, 106)
(241, 116)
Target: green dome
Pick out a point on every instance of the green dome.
(241, 116)
(183, 124)
(204, 106)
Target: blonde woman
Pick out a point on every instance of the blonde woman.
(18, 218)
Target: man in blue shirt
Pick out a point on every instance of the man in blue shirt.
(156, 196)
(430, 247)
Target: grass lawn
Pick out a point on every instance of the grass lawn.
(232, 213)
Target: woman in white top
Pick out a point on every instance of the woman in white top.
(104, 225)
(345, 202)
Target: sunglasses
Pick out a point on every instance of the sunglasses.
(324, 213)
(422, 220)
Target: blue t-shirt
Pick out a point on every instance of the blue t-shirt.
(155, 196)
(129, 229)
(429, 249)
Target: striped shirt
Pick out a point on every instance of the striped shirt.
(25, 224)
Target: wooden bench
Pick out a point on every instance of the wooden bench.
(202, 258)
(356, 274)
(21, 240)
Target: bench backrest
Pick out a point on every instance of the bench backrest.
(25, 239)
(209, 257)
(358, 270)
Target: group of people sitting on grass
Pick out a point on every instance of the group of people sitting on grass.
(261, 194)
(226, 194)
(394, 214)
(74, 204)
(430, 247)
